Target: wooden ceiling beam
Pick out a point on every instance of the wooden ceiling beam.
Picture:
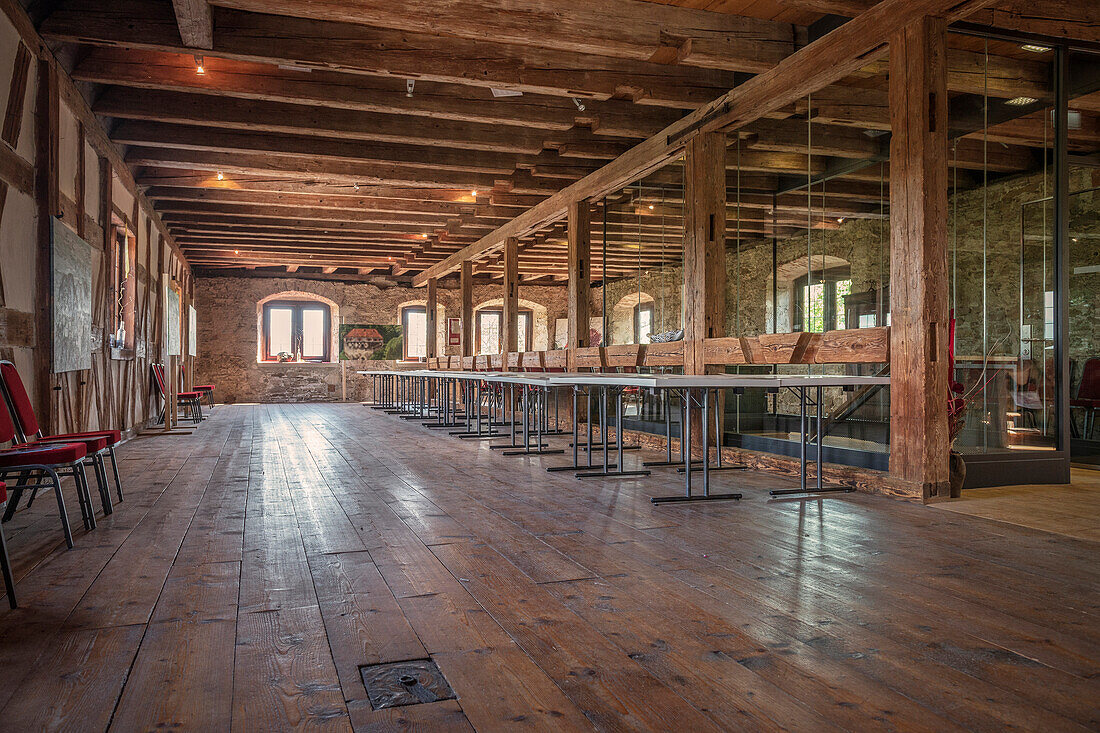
(195, 23)
(206, 110)
(298, 147)
(151, 25)
(156, 70)
(311, 168)
(623, 29)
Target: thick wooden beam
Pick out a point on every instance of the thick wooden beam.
(382, 52)
(509, 325)
(919, 442)
(828, 59)
(431, 320)
(48, 195)
(466, 293)
(13, 123)
(195, 23)
(623, 29)
(704, 245)
(579, 233)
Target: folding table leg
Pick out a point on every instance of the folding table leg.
(114, 468)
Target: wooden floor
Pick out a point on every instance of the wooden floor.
(256, 564)
(1069, 509)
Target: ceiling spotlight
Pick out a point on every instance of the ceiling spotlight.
(409, 84)
(355, 186)
(423, 236)
(840, 220)
(579, 103)
(200, 68)
(651, 207)
(1021, 101)
(221, 176)
(473, 193)
(236, 251)
(1035, 48)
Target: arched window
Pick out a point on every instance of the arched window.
(414, 332)
(296, 330)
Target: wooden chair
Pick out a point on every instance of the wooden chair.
(667, 355)
(589, 358)
(556, 360)
(191, 401)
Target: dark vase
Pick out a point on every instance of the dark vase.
(957, 473)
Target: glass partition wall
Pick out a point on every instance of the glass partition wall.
(807, 245)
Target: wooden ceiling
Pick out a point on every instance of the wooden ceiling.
(374, 138)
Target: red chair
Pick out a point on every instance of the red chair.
(99, 444)
(1088, 396)
(206, 389)
(5, 564)
(40, 467)
(191, 401)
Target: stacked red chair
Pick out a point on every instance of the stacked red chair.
(5, 563)
(41, 467)
(100, 444)
(191, 401)
(206, 389)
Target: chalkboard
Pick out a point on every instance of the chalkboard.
(71, 290)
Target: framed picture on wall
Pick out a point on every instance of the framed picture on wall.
(192, 331)
(172, 314)
(454, 331)
(71, 292)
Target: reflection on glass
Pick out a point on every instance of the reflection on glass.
(280, 329)
(313, 332)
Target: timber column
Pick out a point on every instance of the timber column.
(579, 233)
(431, 321)
(704, 245)
(509, 341)
(466, 288)
(918, 258)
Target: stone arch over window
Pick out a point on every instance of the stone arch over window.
(786, 280)
(623, 316)
(297, 302)
(540, 332)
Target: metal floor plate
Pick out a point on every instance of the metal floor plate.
(413, 682)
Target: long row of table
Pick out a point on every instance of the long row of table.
(478, 405)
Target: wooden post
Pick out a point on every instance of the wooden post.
(579, 232)
(48, 194)
(704, 245)
(918, 258)
(466, 286)
(509, 322)
(431, 322)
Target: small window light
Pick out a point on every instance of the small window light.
(200, 67)
(1021, 101)
(1035, 48)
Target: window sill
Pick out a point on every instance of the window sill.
(298, 363)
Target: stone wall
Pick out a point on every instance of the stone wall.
(228, 333)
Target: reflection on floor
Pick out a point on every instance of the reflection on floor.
(1069, 509)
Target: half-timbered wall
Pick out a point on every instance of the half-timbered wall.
(116, 392)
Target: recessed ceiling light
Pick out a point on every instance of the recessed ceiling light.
(1021, 101)
(1035, 48)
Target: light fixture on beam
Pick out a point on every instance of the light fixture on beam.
(1021, 101)
(221, 176)
(474, 194)
(200, 67)
(409, 84)
(1035, 47)
(579, 103)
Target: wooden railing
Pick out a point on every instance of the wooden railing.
(850, 346)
